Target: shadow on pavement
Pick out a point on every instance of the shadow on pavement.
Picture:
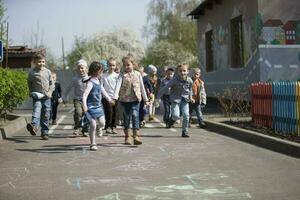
(58, 149)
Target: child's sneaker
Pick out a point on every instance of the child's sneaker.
(44, 136)
(107, 131)
(32, 130)
(185, 134)
(151, 118)
(143, 123)
(93, 147)
(113, 131)
(85, 134)
(76, 132)
(170, 124)
(202, 124)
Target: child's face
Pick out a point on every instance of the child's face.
(81, 69)
(169, 75)
(117, 70)
(183, 72)
(39, 63)
(112, 65)
(54, 77)
(128, 66)
(196, 75)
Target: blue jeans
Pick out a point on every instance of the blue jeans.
(41, 114)
(197, 108)
(183, 108)
(131, 112)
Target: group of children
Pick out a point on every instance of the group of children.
(130, 90)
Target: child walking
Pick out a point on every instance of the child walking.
(152, 76)
(79, 87)
(55, 99)
(130, 90)
(180, 95)
(109, 80)
(41, 86)
(199, 95)
(166, 97)
(91, 99)
(149, 91)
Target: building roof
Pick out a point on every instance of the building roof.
(273, 23)
(290, 25)
(200, 10)
(22, 51)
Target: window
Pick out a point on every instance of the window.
(209, 51)
(237, 46)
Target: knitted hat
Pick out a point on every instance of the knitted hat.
(152, 68)
(82, 62)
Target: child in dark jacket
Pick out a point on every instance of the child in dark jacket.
(55, 99)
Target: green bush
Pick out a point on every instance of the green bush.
(13, 89)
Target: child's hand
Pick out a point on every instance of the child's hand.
(156, 103)
(151, 97)
(192, 100)
(85, 109)
(112, 102)
(146, 103)
(60, 100)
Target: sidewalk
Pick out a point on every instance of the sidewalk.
(10, 128)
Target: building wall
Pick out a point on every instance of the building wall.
(283, 10)
(266, 59)
(279, 62)
(18, 62)
(218, 19)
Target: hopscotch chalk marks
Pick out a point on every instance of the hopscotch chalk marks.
(80, 182)
(113, 196)
(140, 165)
(200, 187)
(11, 175)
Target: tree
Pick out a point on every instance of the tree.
(3, 21)
(13, 89)
(104, 45)
(163, 53)
(167, 20)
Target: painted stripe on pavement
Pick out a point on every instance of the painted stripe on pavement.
(58, 121)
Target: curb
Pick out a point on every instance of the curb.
(12, 127)
(255, 138)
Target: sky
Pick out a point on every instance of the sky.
(57, 19)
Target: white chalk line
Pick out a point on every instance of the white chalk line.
(58, 121)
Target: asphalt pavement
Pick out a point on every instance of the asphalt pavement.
(206, 166)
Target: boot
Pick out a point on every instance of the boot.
(127, 137)
(136, 139)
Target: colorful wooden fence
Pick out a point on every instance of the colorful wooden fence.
(277, 105)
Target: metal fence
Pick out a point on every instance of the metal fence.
(277, 105)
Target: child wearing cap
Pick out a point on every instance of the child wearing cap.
(79, 87)
(154, 82)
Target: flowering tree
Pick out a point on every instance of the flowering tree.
(164, 53)
(104, 45)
